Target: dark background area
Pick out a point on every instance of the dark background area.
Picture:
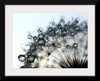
(68, 2)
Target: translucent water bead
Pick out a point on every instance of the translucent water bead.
(35, 38)
(40, 36)
(64, 33)
(77, 28)
(40, 30)
(30, 58)
(29, 36)
(62, 20)
(41, 42)
(21, 58)
(52, 33)
(75, 45)
(53, 23)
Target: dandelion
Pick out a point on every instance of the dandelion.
(62, 45)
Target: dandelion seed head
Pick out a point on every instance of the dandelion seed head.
(62, 45)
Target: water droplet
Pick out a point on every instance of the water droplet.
(40, 30)
(41, 42)
(29, 36)
(75, 45)
(30, 58)
(21, 58)
(58, 45)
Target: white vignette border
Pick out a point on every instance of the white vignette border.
(10, 9)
